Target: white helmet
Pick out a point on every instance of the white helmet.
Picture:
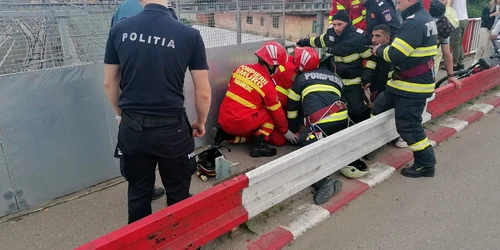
(355, 170)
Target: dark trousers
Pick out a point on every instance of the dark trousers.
(357, 109)
(408, 115)
(329, 128)
(163, 141)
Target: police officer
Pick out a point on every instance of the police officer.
(126, 9)
(347, 45)
(381, 12)
(411, 52)
(145, 60)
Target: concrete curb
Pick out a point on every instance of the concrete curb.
(392, 160)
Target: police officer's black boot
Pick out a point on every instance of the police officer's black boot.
(326, 189)
(260, 149)
(416, 171)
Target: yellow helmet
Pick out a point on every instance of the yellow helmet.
(355, 170)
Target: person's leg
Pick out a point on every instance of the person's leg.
(139, 171)
(437, 60)
(383, 102)
(483, 44)
(456, 43)
(463, 26)
(358, 111)
(409, 126)
(176, 176)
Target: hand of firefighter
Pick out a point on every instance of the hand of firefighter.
(458, 83)
(374, 50)
(303, 42)
(291, 137)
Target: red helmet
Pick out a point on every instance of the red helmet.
(305, 58)
(273, 53)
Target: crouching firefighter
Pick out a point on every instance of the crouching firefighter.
(411, 52)
(316, 96)
(251, 107)
(347, 45)
(284, 79)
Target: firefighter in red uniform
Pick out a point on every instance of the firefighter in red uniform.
(251, 106)
(355, 9)
(284, 79)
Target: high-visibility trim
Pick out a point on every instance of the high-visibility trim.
(282, 68)
(319, 88)
(268, 125)
(428, 51)
(402, 46)
(390, 74)
(421, 145)
(363, 12)
(347, 59)
(263, 132)
(372, 115)
(367, 53)
(238, 139)
(249, 83)
(240, 100)
(357, 20)
(348, 82)
(330, 18)
(335, 117)
(274, 107)
(322, 40)
(340, 7)
(282, 90)
(292, 114)
(294, 96)
(370, 64)
(355, 2)
(386, 54)
(412, 87)
(311, 42)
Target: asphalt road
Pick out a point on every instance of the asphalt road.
(457, 209)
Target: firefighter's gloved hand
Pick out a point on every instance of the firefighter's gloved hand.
(291, 137)
(303, 42)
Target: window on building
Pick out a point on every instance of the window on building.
(276, 22)
(314, 26)
(250, 19)
(261, 21)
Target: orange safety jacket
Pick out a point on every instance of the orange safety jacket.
(354, 8)
(250, 90)
(284, 80)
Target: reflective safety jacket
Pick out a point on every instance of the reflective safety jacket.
(284, 79)
(311, 92)
(354, 8)
(381, 12)
(411, 52)
(349, 51)
(250, 90)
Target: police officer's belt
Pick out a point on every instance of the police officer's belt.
(325, 112)
(137, 121)
(415, 71)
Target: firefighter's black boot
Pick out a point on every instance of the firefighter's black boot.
(218, 136)
(416, 171)
(260, 149)
(325, 190)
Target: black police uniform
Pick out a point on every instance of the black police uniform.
(412, 83)
(381, 12)
(348, 52)
(154, 51)
(312, 92)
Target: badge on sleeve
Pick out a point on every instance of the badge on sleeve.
(387, 15)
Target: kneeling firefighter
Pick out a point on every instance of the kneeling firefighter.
(251, 106)
(315, 95)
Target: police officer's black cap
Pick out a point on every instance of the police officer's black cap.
(341, 16)
(437, 9)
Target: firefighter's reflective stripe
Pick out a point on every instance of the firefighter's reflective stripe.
(282, 90)
(363, 12)
(412, 87)
(371, 64)
(372, 115)
(367, 53)
(357, 20)
(425, 51)
(282, 68)
(348, 82)
(385, 55)
(321, 40)
(249, 83)
(274, 107)
(294, 96)
(340, 7)
(268, 125)
(239, 139)
(335, 117)
(347, 59)
(292, 114)
(319, 88)
(263, 132)
(421, 145)
(390, 74)
(240, 100)
(401, 46)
